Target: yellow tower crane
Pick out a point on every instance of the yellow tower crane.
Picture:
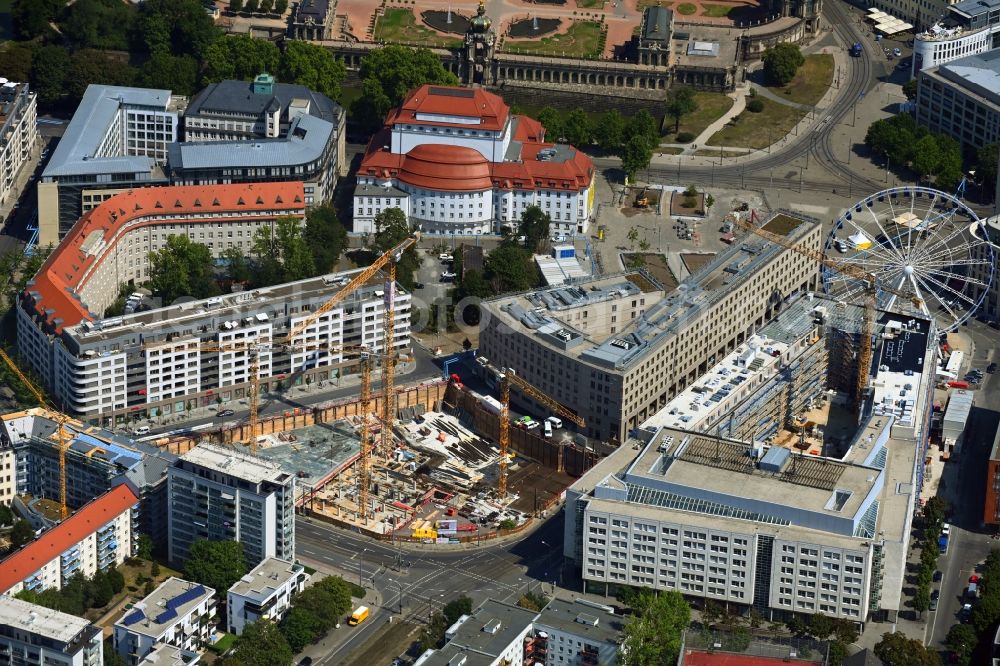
(872, 288)
(63, 442)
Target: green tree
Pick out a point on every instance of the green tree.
(926, 157)
(239, 58)
(643, 125)
(6, 515)
(578, 129)
(31, 18)
(922, 598)
(15, 60)
(300, 627)
(553, 122)
(610, 131)
(314, 67)
(895, 649)
(636, 155)
(280, 6)
(102, 590)
(933, 512)
(238, 269)
(178, 27)
(910, 89)
(326, 237)
(112, 658)
(653, 634)
(182, 268)
(217, 564)
(21, 533)
(176, 73)
(235, 6)
(389, 73)
(49, 66)
(986, 164)
(98, 24)
(391, 228)
(456, 608)
(251, 6)
(263, 645)
(92, 66)
(116, 579)
(680, 102)
(511, 268)
(266, 6)
(985, 612)
(781, 62)
(145, 548)
(534, 226)
(962, 640)
(326, 600)
(154, 569)
(633, 236)
(837, 653)
(532, 600)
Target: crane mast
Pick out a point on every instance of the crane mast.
(363, 457)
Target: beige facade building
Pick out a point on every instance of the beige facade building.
(618, 348)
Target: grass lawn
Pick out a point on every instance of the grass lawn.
(642, 4)
(223, 643)
(669, 150)
(811, 81)
(583, 40)
(711, 106)
(400, 26)
(686, 8)
(715, 153)
(716, 10)
(751, 130)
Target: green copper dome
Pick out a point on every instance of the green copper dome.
(480, 22)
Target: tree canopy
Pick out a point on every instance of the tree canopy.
(217, 564)
(391, 228)
(511, 268)
(31, 18)
(781, 62)
(177, 27)
(636, 155)
(261, 644)
(314, 67)
(326, 237)
(653, 634)
(904, 142)
(680, 102)
(98, 24)
(239, 58)
(316, 610)
(610, 131)
(389, 73)
(895, 649)
(182, 268)
(282, 252)
(534, 226)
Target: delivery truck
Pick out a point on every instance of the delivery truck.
(358, 616)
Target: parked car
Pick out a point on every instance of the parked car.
(896, 52)
(418, 285)
(141, 430)
(224, 412)
(991, 368)
(448, 275)
(974, 578)
(934, 600)
(555, 421)
(946, 529)
(937, 576)
(444, 256)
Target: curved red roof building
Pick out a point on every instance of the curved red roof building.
(456, 161)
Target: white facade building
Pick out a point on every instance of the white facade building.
(18, 133)
(100, 534)
(8, 474)
(266, 592)
(493, 635)
(217, 493)
(964, 29)
(33, 635)
(178, 613)
(456, 161)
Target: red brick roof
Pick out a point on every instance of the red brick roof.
(430, 100)
(88, 519)
(695, 658)
(439, 166)
(62, 277)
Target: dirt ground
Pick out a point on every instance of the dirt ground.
(533, 482)
(656, 265)
(695, 261)
(390, 641)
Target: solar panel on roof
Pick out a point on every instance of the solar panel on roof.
(452, 92)
(184, 597)
(166, 616)
(133, 617)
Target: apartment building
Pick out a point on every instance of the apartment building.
(618, 348)
(962, 99)
(154, 362)
(493, 635)
(101, 534)
(456, 161)
(18, 133)
(168, 655)
(577, 632)
(8, 474)
(31, 634)
(236, 132)
(177, 613)
(266, 592)
(218, 493)
(969, 27)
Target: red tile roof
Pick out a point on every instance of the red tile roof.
(431, 100)
(695, 658)
(88, 519)
(438, 166)
(56, 287)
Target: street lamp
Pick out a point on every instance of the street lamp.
(361, 566)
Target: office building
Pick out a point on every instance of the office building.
(220, 494)
(99, 535)
(962, 99)
(266, 592)
(178, 613)
(969, 27)
(154, 362)
(618, 348)
(33, 634)
(18, 134)
(493, 635)
(457, 161)
(575, 632)
(982, 270)
(236, 132)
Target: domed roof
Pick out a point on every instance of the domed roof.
(480, 22)
(442, 167)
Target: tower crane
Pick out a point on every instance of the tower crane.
(872, 288)
(508, 377)
(63, 442)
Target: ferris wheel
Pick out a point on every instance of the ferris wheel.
(915, 241)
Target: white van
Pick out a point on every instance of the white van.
(555, 421)
(141, 430)
(548, 428)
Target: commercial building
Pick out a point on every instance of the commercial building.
(969, 27)
(218, 493)
(154, 362)
(456, 161)
(266, 592)
(101, 534)
(236, 132)
(178, 613)
(33, 634)
(618, 348)
(981, 271)
(18, 133)
(962, 99)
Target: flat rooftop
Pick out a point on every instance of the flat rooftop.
(485, 634)
(312, 453)
(165, 606)
(32, 618)
(584, 619)
(979, 74)
(235, 463)
(265, 579)
(168, 655)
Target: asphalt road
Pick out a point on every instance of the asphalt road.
(419, 581)
(965, 491)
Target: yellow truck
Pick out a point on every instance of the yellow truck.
(358, 616)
